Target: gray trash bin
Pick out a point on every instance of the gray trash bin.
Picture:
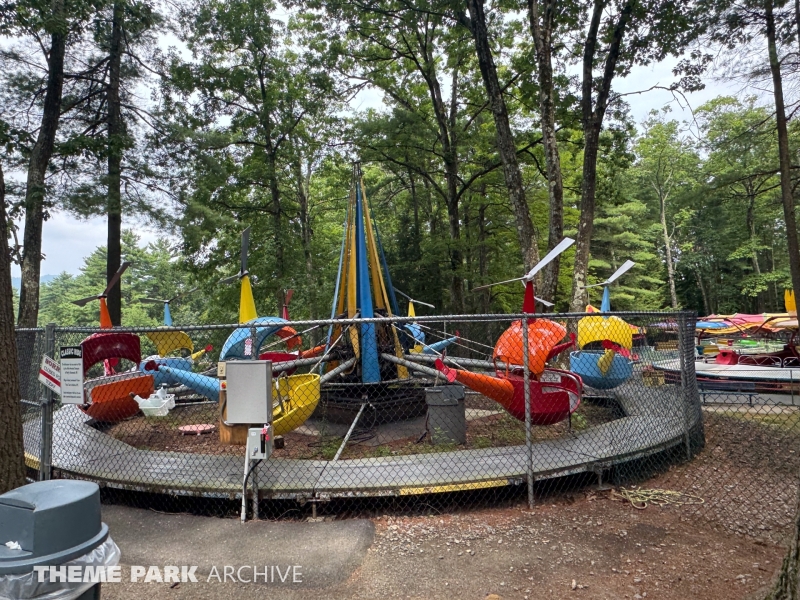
(447, 421)
(55, 524)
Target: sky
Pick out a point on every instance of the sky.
(66, 241)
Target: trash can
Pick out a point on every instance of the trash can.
(447, 420)
(54, 524)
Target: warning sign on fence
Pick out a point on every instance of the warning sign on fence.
(71, 374)
(50, 374)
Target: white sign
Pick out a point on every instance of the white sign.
(50, 374)
(71, 375)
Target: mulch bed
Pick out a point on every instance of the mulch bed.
(495, 430)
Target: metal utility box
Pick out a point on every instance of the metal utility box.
(447, 418)
(249, 391)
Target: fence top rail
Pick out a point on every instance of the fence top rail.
(673, 317)
(29, 329)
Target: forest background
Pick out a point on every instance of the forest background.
(499, 132)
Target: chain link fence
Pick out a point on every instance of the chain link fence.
(369, 414)
(747, 475)
(35, 401)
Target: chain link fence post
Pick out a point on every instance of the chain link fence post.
(253, 338)
(686, 354)
(526, 376)
(46, 441)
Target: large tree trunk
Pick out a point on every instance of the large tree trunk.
(12, 452)
(789, 214)
(593, 113)
(505, 140)
(542, 32)
(115, 146)
(37, 169)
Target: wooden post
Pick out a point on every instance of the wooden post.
(230, 435)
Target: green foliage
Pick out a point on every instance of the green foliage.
(155, 272)
(251, 121)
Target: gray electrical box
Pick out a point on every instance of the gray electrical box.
(249, 389)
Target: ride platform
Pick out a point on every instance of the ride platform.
(651, 424)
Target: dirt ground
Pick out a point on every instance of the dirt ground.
(589, 545)
(585, 543)
(747, 473)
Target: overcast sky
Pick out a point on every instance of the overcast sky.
(67, 240)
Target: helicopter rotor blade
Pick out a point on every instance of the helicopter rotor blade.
(488, 285)
(626, 266)
(182, 294)
(410, 299)
(289, 294)
(245, 250)
(153, 301)
(540, 300)
(231, 279)
(422, 303)
(559, 248)
(115, 278)
(85, 301)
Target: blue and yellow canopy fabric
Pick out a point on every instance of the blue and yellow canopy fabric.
(363, 286)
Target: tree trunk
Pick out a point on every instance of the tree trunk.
(449, 143)
(277, 224)
(751, 230)
(592, 120)
(37, 169)
(673, 296)
(701, 285)
(505, 140)
(783, 152)
(483, 253)
(115, 144)
(305, 232)
(417, 251)
(12, 451)
(786, 582)
(542, 32)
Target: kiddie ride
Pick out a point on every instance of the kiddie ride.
(110, 397)
(294, 396)
(554, 393)
(367, 368)
(604, 360)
